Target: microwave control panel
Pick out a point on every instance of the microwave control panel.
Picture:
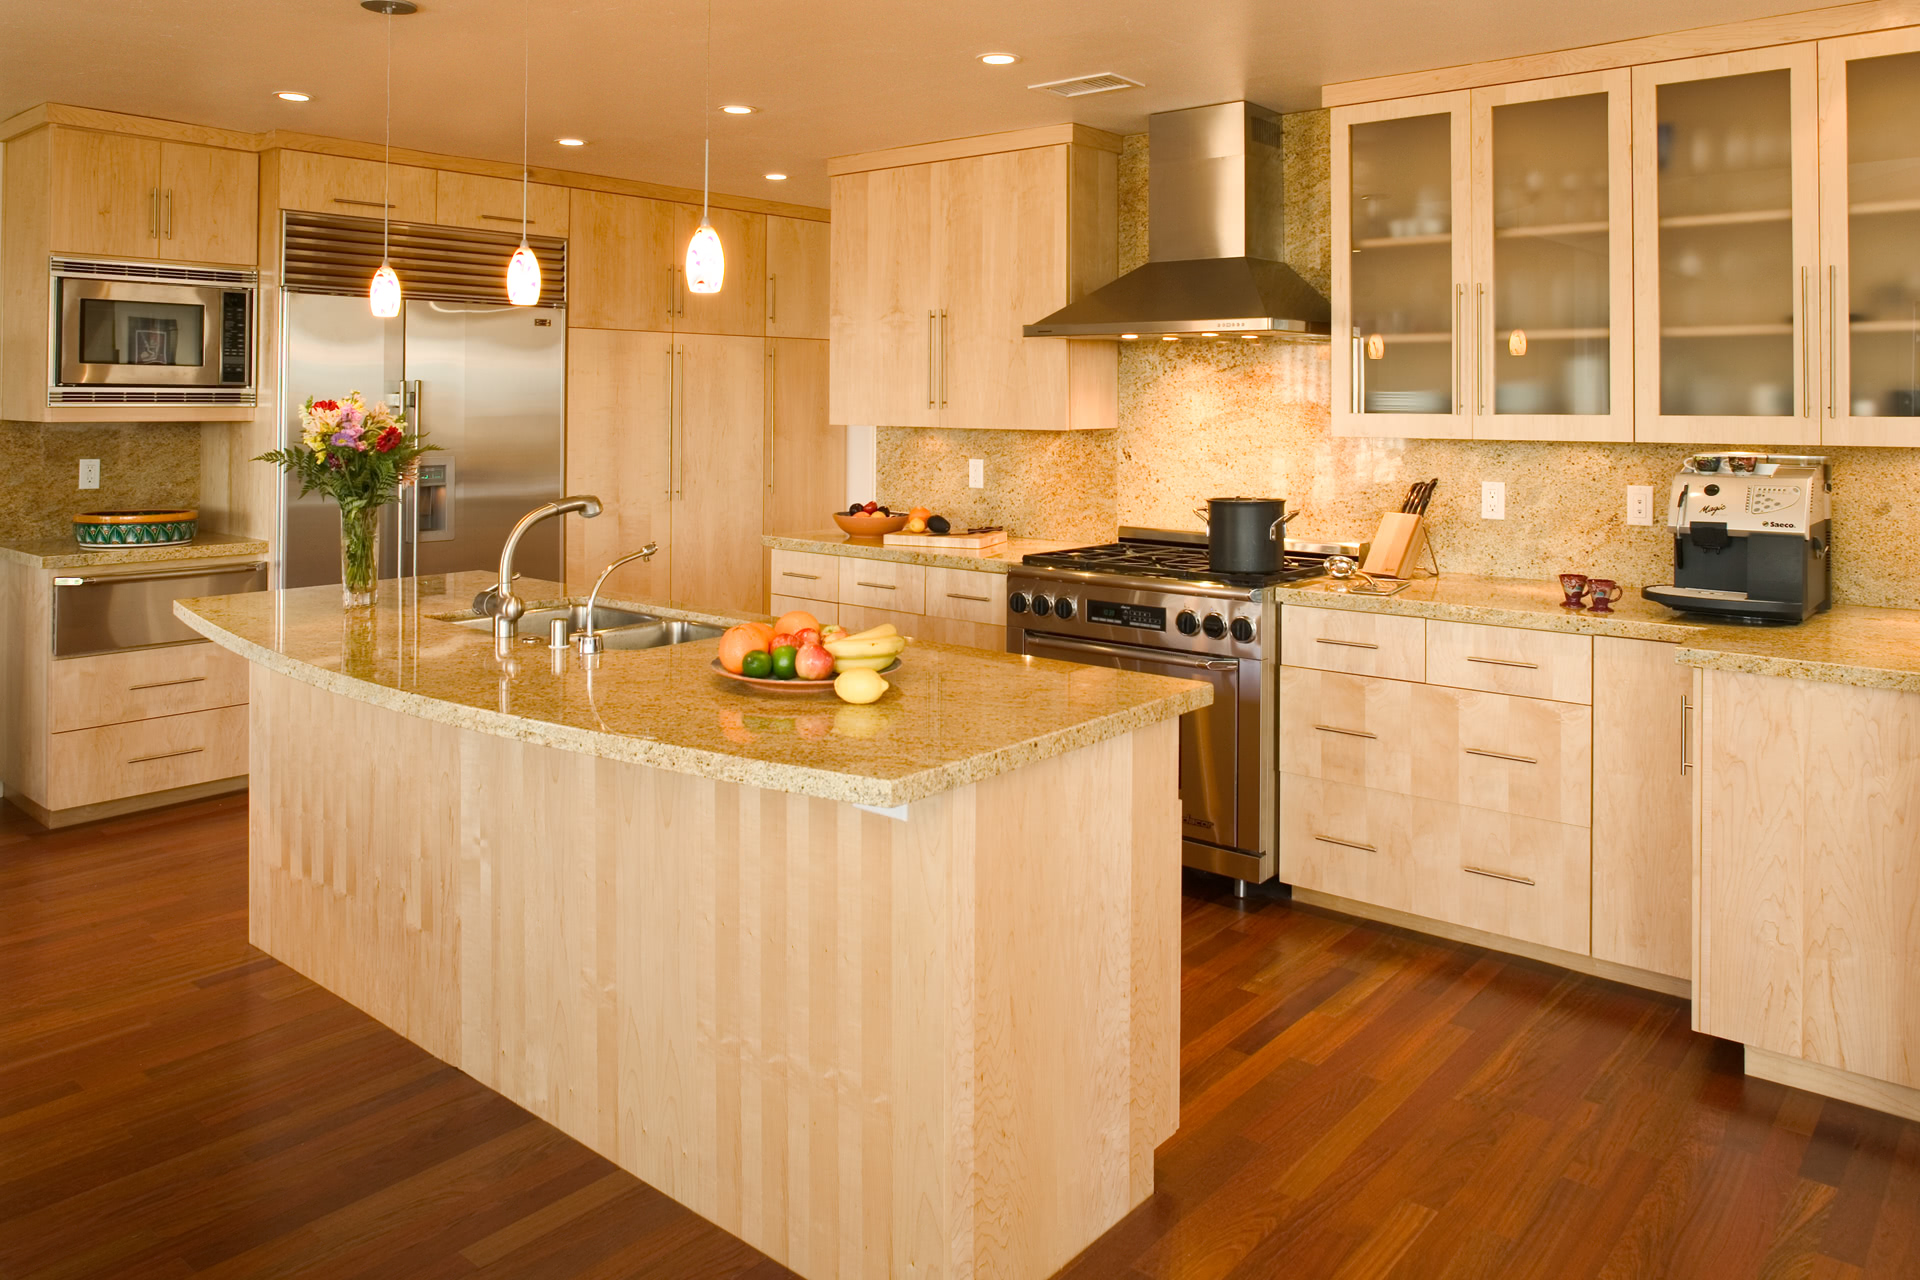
(233, 337)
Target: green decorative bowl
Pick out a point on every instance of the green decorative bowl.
(135, 528)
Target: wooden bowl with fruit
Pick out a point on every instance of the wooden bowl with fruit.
(798, 654)
(870, 520)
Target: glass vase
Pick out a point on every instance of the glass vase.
(359, 556)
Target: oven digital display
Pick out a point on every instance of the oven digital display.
(1140, 616)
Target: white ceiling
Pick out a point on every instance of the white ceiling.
(830, 76)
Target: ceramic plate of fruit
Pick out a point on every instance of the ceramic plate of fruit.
(869, 520)
(800, 655)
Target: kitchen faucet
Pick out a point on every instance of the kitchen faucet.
(499, 599)
(589, 639)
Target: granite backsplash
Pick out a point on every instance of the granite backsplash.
(142, 464)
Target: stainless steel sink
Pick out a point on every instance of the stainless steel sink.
(620, 628)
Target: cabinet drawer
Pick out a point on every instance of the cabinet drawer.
(1527, 756)
(1499, 872)
(967, 595)
(112, 688)
(92, 766)
(1354, 730)
(806, 574)
(1354, 842)
(883, 584)
(1367, 644)
(1534, 664)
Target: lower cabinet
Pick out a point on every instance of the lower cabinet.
(116, 761)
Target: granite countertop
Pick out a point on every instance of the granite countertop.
(1001, 559)
(65, 553)
(954, 715)
(1848, 644)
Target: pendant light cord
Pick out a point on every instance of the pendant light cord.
(386, 176)
(526, 81)
(706, 173)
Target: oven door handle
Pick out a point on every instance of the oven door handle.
(1145, 655)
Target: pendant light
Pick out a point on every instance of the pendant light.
(706, 261)
(383, 295)
(523, 272)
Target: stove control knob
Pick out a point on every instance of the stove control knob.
(1017, 602)
(1063, 608)
(1215, 626)
(1187, 622)
(1042, 606)
(1243, 630)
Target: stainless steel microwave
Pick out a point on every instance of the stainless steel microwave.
(150, 333)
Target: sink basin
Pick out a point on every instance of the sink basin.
(619, 628)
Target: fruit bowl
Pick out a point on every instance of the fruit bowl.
(772, 685)
(875, 526)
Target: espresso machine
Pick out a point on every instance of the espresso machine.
(1752, 538)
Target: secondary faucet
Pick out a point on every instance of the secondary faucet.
(590, 640)
(499, 599)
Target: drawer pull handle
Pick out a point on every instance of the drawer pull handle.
(877, 586)
(166, 684)
(1496, 875)
(810, 577)
(368, 204)
(1505, 662)
(1346, 644)
(1347, 844)
(167, 755)
(508, 217)
(955, 595)
(1351, 733)
(1499, 755)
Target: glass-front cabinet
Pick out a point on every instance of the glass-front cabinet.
(1870, 235)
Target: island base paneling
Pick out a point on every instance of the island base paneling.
(866, 1045)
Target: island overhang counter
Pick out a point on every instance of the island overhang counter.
(882, 990)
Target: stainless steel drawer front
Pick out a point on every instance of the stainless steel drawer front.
(108, 612)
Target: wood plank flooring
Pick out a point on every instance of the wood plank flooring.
(1356, 1102)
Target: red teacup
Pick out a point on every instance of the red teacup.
(1604, 592)
(1575, 586)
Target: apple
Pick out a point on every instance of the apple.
(871, 507)
(812, 663)
(832, 631)
(806, 636)
(781, 640)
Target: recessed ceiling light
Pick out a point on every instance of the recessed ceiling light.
(288, 95)
(999, 59)
(737, 109)
(776, 177)
(571, 142)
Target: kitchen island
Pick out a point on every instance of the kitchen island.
(882, 990)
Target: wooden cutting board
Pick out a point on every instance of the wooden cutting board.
(949, 541)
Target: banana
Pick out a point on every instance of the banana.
(886, 646)
(869, 664)
(880, 632)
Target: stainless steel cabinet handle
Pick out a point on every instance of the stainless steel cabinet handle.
(943, 359)
(1346, 644)
(1806, 349)
(366, 204)
(669, 293)
(1459, 349)
(773, 407)
(1351, 733)
(955, 595)
(1499, 755)
(166, 755)
(169, 219)
(933, 393)
(109, 579)
(1496, 875)
(670, 369)
(1686, 728)
(877, 586)
(773, 297)
(810, 577)
(1347, 844)
(680, 446)
(509, 217)
(1479, 323)
(166, 684)
(1505, 662)
(1834, 315)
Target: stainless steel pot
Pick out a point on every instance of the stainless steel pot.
(1245, 535)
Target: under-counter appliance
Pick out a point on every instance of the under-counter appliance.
(1150, 602)
(1752, 538)
(486, 382)
(130, 333)
(121, 608)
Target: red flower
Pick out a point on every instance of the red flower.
(389, 440)
(326, 406)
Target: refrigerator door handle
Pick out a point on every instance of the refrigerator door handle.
(671, 362)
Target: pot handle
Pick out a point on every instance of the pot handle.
(1202, 513)
(1273, 530)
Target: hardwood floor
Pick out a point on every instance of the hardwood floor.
(1356, 1102)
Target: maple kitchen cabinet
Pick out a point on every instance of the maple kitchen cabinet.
(941, 253)
(620, 262)
(494, 204)
(739, 309)
(798, 252)
(356, 188)
(115, 195)
(806, 457)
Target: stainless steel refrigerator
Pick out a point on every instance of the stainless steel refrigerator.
(485, 382)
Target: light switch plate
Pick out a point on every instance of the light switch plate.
(89, 473)
(1493, 500)
(1639, 504)
(976, 473)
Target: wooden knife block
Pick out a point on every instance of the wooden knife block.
(1397, 547)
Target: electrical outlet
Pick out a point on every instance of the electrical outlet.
(1639, 504)
(1493, 500)
(976, 473)
(89, 473)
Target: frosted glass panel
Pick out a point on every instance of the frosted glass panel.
(1883, 236)
(1727, 276)
(1551, 305)
(1402, 278)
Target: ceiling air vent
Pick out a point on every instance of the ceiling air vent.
(1081, 86)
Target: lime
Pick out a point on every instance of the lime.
(783, 662)
(759, 664)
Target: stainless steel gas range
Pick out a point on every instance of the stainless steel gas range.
(1149, 603)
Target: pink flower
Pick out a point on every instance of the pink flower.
(349, 438)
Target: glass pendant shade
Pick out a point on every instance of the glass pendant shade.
(706, 260)
(523, 277)
(384, 293)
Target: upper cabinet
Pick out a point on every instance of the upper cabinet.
(495, 204)
(1482, 267)
(620, 263)
(938, 265)
(739, 309)
(797, 255)
(356, 188)
(114, 195)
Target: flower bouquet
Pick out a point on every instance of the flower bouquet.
(359, 455)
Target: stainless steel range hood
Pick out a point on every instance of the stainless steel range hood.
(1216, 232)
